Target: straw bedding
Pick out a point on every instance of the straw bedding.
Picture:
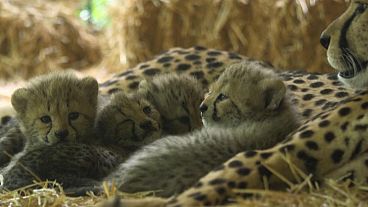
(36, 37)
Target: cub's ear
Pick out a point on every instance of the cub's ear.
(274, 92)
(19, 100)
(90, 87)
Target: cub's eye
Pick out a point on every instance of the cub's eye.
(221, 97)
(361, 8)
(45, 119)
(147, 110)
(73, 115)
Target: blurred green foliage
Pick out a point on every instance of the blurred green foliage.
(95, 12)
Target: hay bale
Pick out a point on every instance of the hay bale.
(284, 32)
(39, 36)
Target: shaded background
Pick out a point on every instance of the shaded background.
(99, 37)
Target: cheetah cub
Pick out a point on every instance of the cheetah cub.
(51, 109)
(57, 107)
(177, 98)
(167, 104)
(246, 92)
(128, 122)
(255, 106)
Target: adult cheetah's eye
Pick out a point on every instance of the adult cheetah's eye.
(361, 7)
(73, 115)
(147, 110)
(221, 97)
(45, 119)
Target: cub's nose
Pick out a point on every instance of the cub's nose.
(203, 108)
(325, 40)
(61, 134)
(147, 125)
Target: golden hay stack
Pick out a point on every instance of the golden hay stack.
(284, 32)
(37, 36)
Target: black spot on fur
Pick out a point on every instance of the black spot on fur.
(131, 77)
(341, 94)
(326, 91)
(214, 65)
(310, 162)
(357, 150)
(320, 102)
(336, 83)
(183, 67)
(337, 155)
(199, 48)
(197, 62)
(265, 155)
(360, 117)
(209, 60)
(332, 76)
(298, 81)
(264, 172)
(329, 136)
(312, 145)
(213, 53)
(307, 112)
(133, 85)
(249, 154)
(361, 127)
(151, 71)
(365, 105)
(316, 84)
(143, 66)
(312, 77)
(305, 90)
(308, 97)
(165, 59)
(306, 134)
(242, 185)
(198, 196)
(220, 190)
(166, 65)
(344, 126)
(243, 171)
(231, 184)
(292, 87)
(324, 123)
(192, 57)
(344, 111)
(235, 164)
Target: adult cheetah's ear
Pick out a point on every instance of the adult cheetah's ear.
(90, 86)
(274, 91)
(19, 100)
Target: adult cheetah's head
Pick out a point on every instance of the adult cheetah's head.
(346, 41)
